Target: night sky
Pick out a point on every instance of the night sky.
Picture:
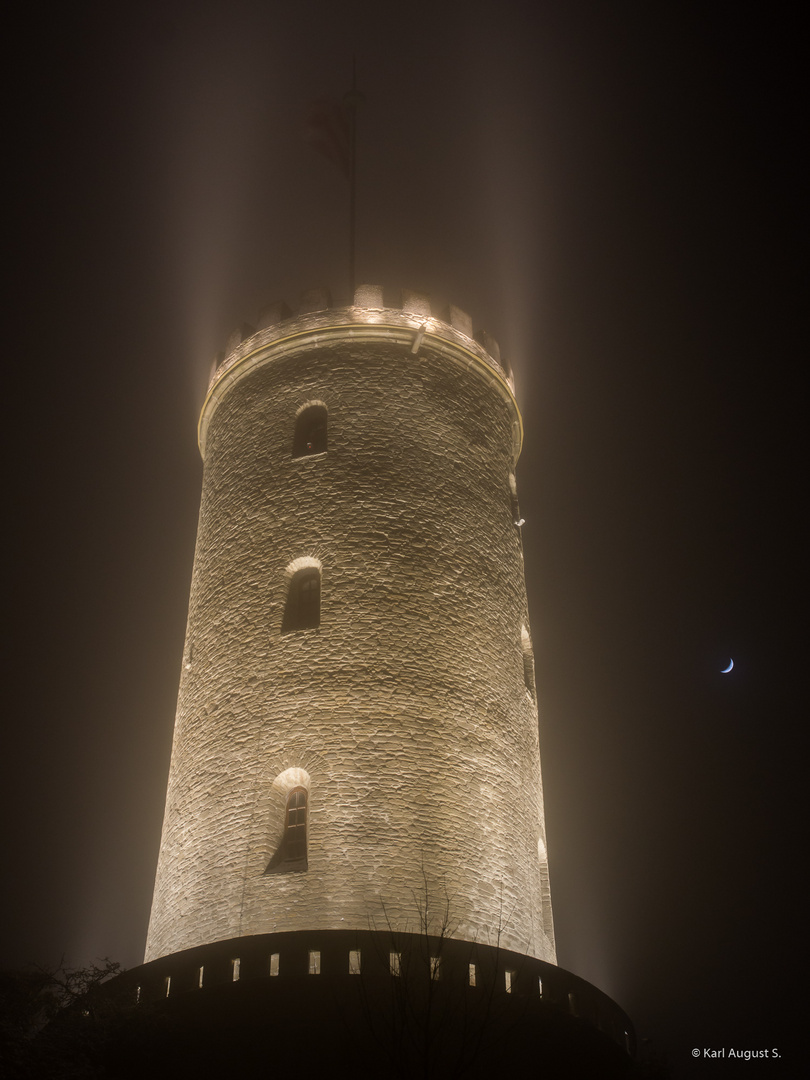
(612, 190)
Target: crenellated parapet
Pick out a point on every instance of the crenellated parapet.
(413, 314)
(412, 327)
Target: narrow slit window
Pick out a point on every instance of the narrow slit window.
(528, 663)
(235, 966)
(509, 980)
(200, 973)
(314, 961)
(303, 607)
(395, 962)
(274, 963)
(435, 968)
(310, 432)
(516, 518)
(354, 961)
(540, 986)
(472, 974)
(167, 986)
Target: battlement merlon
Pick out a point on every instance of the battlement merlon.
(413, 325)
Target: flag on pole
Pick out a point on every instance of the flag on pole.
(331, 128)
(328, 130)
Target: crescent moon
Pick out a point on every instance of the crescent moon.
(726, 670)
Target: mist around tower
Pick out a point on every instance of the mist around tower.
(610, 195)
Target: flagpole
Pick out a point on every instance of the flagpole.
(351, 101)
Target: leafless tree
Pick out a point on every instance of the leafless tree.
(55, 1018)
(426, 1024)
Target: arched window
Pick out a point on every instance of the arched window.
(294, 844)
(291, 846)
(303, 608)
(310, 432)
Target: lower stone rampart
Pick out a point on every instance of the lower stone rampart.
(371, 962)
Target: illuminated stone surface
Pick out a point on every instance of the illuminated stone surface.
(406, 713)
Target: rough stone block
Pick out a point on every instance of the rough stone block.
(314, 300)
(237, 336)
(271, 314)
(458, 319)
(484, 338)
(369, 296)
(416, 303)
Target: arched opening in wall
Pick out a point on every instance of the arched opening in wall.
(292, 851)
(310, 431)
(303, 608)
(528, 663)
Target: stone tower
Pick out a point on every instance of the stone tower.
(352, 872)
(357, 718)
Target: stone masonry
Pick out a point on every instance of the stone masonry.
(409, 713)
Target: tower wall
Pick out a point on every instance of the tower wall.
(408, 713)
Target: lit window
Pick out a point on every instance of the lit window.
(314, 961)
(509, 980)
(295, 826)
(310, 432)
(528, 663)
(274, 963)
(292, 851)
(235, 965)
(354, 961)
(514, 499)
(472, 974)
(395, 961)
(303, 608)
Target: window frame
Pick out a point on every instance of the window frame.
(292, 854)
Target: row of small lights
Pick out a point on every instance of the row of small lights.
(395, 966)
